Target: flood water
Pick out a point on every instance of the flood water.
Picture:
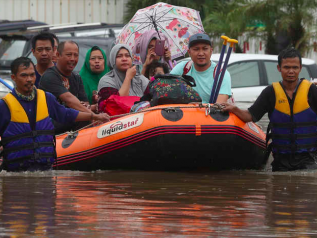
(159, 204)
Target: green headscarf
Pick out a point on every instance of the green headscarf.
(90, 79)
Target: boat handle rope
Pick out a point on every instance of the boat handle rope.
(208, 107)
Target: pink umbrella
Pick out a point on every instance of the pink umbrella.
(173, 23)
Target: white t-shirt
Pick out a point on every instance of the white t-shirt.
(205, 80)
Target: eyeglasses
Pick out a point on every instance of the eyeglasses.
(96, 58)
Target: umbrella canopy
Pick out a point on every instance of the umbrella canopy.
(174, 23)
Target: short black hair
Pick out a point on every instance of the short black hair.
(290, 52)
(55, 37)
(61, 45)
(24, 61)
(43, 35)
(154, 65)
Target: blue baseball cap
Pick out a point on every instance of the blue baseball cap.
(199, 38)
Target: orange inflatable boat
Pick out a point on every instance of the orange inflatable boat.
(166, 137)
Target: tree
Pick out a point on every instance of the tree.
(287, 22)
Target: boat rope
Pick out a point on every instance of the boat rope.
(210, 108)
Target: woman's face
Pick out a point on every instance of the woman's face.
(123, 60)
(96, 62)
(152, 46)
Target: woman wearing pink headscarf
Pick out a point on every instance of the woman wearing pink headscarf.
(145, 47)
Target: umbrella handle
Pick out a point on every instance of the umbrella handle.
(6, 84)
(223, 50)
(232, 42)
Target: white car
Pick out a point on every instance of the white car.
(251, 73)
(3, 89)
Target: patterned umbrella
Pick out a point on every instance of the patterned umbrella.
(176, 23)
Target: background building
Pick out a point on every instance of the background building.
(64, 11)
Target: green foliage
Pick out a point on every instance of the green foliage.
(284, 22)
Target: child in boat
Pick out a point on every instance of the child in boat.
(155, 68)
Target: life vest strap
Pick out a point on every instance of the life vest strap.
(294, 136)
(293, 124)
(295, 147)
(32, 146)
(34, 157)
(27, 135)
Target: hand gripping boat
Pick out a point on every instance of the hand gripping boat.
(167, 137)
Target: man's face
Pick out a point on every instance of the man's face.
(24, 79)
(68, 60)
(200, 54)
(290, 69)
(43, 52)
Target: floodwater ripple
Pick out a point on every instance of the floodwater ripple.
(158, 204)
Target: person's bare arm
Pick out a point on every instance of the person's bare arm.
(72, 102)
(125, 88)
(222, 98)
(84, 116)
(244, 115)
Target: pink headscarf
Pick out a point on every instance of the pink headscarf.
(142, 42)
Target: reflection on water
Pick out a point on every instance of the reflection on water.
(158, 204)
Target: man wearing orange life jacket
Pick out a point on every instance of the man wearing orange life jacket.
(292, 108)
(26, 129)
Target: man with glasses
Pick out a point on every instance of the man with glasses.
(43, 50)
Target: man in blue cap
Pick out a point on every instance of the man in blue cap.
(201, 68)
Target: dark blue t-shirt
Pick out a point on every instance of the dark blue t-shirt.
(56, 111)
(38, 78)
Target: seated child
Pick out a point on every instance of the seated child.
(155, 68)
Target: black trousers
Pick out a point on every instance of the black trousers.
(295, 161)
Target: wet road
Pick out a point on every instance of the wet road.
(159, 204)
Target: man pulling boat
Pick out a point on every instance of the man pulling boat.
(291, 105)
(26, 129)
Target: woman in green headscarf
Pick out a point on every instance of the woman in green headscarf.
(94, 68)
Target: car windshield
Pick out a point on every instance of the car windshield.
(10, 50)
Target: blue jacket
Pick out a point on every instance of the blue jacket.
(24, 148)
(293, 122)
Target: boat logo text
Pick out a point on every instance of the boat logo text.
(119, 126)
